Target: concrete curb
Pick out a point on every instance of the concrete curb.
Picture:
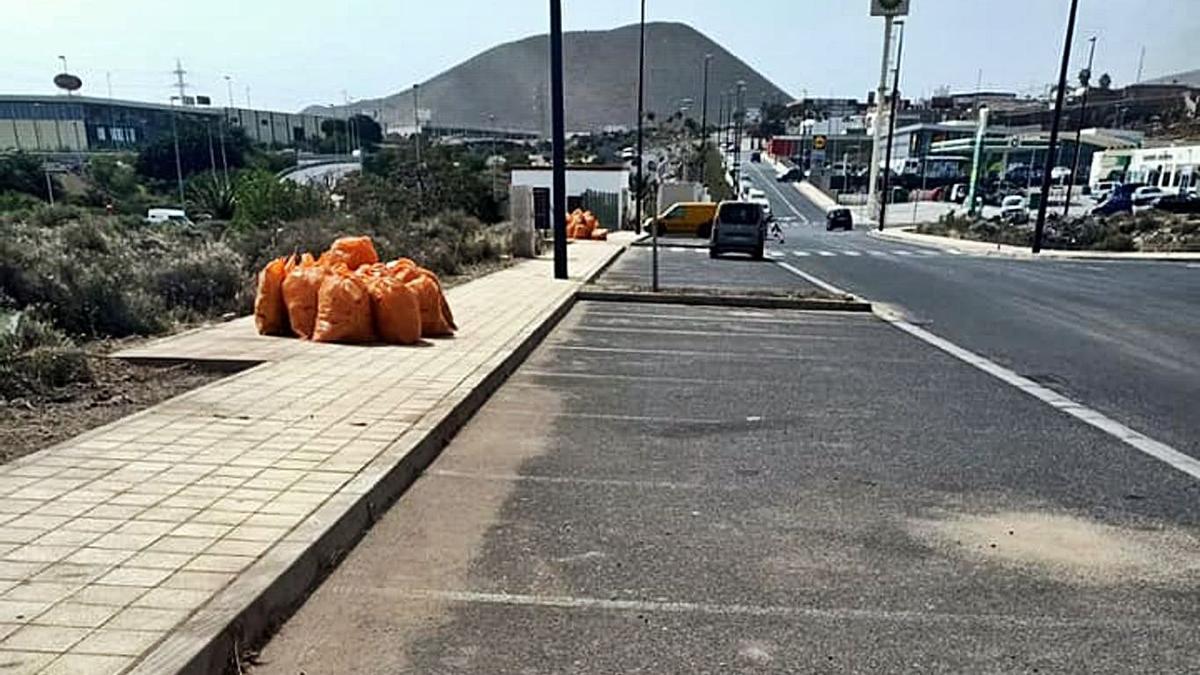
(758, 302)
(814, 195)
(1004, 250)
(266, 594)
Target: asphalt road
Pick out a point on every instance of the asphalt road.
(668, 489)
(1120, 337)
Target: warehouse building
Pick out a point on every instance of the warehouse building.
(89, 124)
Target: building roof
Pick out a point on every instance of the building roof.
(57, 99)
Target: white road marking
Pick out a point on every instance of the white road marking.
(803, 218)
(923, 618)
(880, 254)
(902, 252)
(1139, 441)
(827, 254)
(801, 254)
(852, 253)
(812, 280)
(926, 251)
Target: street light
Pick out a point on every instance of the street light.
(641, 182)
(704, 122)
(887, 162)
(229, 87)
(1040, 225)
(1079, 127)
(559, 140)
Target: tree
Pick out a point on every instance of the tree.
(212, 195)
(113, 177)
(1105, 81)
(23, 173)
(196, 139)
(261, 198)
(1085, 77)
(366, 131)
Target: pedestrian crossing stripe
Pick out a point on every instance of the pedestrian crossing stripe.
(801, 253)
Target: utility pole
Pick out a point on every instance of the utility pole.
(877, 131)
(417, 141)
(704, 122)
(178, 164)
(558, 141)
(977, 157)
(179, 73)
(887, 162)
(1141, 62)
(248, 97)
(641, 169)
(1040, 225)
(739, 113)
(1079, 127)
(229, 88)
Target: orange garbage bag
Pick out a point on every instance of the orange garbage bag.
(429, 297)
(447, 315)
(343, 308)
(396, 309)
(354, 251)
(600, 234)
(300, 289)
(270, 311)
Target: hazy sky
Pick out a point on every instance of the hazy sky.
(299, 52)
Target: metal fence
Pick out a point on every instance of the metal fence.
(606, 206)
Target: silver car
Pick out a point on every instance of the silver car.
(739, 227)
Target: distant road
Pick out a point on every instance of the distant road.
(1121, 337)
(326, 174)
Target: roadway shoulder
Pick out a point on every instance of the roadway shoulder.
(985, 248)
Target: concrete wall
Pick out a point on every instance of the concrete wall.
(45, 135)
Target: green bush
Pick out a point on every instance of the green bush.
(34, 357)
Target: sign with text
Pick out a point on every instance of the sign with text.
(889, 7)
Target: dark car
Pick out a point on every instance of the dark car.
(756, 156)
(1120, 200)
(739, 227)
(1184, 203)
(792, 175)
(838, 218)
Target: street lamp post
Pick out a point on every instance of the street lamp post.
(739, 114)
(178, 164)
(704, 121)
(1040, 224)
(1079, 127)
(887, 162)
(559, 140)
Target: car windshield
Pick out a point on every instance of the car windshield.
(740, 214)
(597, 336)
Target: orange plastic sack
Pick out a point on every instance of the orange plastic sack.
(447, 315)
(600, 234)
(270, 311)
(354, 251)
(429, 296)
(343, 309)
(300, 289)
(396, 310)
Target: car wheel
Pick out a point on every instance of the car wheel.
(704, 231)
(713, 253)
(758, 253)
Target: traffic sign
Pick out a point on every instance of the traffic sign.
(819, 142)
(889, 7)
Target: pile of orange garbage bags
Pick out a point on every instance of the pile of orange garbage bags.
(584, 225)
(347, 295)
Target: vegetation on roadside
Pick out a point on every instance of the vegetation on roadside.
(1145, 231)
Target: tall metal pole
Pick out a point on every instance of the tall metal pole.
(641, 180)
(887, 162)
(559, 141)
(1079, 127)
(1040, 225)
(739, 114)
(877, 130)
(417, 140)
(704, 122)
(178, 164)
(229, 88)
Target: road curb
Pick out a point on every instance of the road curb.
(757, 302)
(1007, 251)
(248, 611)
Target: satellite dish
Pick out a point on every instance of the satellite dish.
(68, 82)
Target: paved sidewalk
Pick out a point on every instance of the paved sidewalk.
(985, 248)
(160, 542)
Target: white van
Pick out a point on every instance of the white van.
(177, 216)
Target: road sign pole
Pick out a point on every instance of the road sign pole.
(887, 162)
(877, 130)
(557, 114)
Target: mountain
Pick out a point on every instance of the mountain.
(511, 81)
(1188, 77)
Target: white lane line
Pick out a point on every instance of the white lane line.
(801, 254)
(879, 254)
(902, 252)
(803, 218)
(922, 618)
(812, 280)
(1139, 441)
(853, 254)
(827, 254)
(927, 252)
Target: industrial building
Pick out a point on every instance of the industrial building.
(77, 124)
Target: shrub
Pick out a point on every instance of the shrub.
(206, 280)
(34, 357)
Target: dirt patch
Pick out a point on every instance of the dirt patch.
(1065, 546)
(117, 389)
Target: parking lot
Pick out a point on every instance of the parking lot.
(668, 489)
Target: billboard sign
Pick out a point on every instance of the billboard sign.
(889, 7)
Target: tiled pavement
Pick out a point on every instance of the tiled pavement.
(132, 547)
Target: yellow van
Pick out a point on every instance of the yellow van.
(693, 218)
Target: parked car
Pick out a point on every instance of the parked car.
(685, 218)
(1102, 189)
(792, 175)
(738, 228)
(176, 216)
(1119, 200)
(1015, 209)
(759, 197)
(1146, 195)
(756, 156)
(1187, 202)
(838, 218)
